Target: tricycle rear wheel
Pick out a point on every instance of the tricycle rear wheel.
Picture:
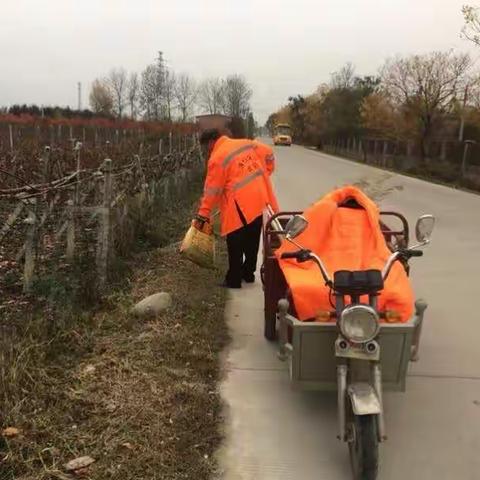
(270, 325)
(363, 447)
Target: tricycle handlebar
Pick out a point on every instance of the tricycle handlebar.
(405, 253)
(303, 255)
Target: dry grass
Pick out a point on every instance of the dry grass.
(140, 397)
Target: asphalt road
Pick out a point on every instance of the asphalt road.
(275, 433)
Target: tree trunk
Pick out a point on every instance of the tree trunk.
(425, 140)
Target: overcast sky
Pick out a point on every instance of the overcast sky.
(283, 47)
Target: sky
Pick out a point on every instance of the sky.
(283, 47)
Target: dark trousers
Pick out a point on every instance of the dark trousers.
(242, 245)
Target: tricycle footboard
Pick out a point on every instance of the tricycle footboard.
(314, 365)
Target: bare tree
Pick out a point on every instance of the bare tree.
(471, 29)
(237, 96)
(185, 94)
(212, 95)
(344, 78)
(151, 93)
(101, 99)
(427, 87)
(133, 94)
(169, 93)
(471, 95)
(118, 82)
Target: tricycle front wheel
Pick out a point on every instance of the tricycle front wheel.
(363, 447)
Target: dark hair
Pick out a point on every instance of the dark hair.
(210, 135)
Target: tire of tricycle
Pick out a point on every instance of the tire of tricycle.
(363, 447)
(270, 326)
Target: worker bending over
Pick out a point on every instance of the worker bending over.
(238, 183)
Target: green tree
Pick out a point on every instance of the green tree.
(251, 126)
(298, 113)
(341, 105)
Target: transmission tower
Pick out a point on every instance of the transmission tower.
(79, 95)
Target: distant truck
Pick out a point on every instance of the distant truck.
(282, 134)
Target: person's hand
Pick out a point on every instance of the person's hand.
(199, 222)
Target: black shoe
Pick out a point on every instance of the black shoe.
(249, 277)
(225, 284)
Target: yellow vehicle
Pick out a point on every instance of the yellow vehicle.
(282, 134)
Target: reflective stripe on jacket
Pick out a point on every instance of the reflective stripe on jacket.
(236, 177)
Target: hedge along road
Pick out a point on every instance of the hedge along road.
(274, 433)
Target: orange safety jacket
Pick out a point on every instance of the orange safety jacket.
(237, 179)
(345, 239)
(266, 152)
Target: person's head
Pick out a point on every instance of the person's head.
(208, 138)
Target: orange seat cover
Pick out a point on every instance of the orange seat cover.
(345, 239)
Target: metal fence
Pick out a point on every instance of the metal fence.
(452, 162)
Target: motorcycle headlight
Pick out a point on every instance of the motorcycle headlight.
(359, 323)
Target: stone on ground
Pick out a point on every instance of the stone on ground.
(153, 305)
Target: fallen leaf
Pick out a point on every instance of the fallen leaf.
(127, 445)
(11, 432)
(79, 463)
(111, 407)
(81, 472)
(89, 369)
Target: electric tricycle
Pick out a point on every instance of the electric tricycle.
(358, 354)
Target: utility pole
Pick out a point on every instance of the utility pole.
(462, 119)
(79, 96)
(161, 77)
(466, 148)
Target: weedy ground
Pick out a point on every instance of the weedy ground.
(140, 397)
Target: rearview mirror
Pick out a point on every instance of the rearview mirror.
(424, 228)
(295, 226)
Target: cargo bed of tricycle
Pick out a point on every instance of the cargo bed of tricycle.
(312, 358)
